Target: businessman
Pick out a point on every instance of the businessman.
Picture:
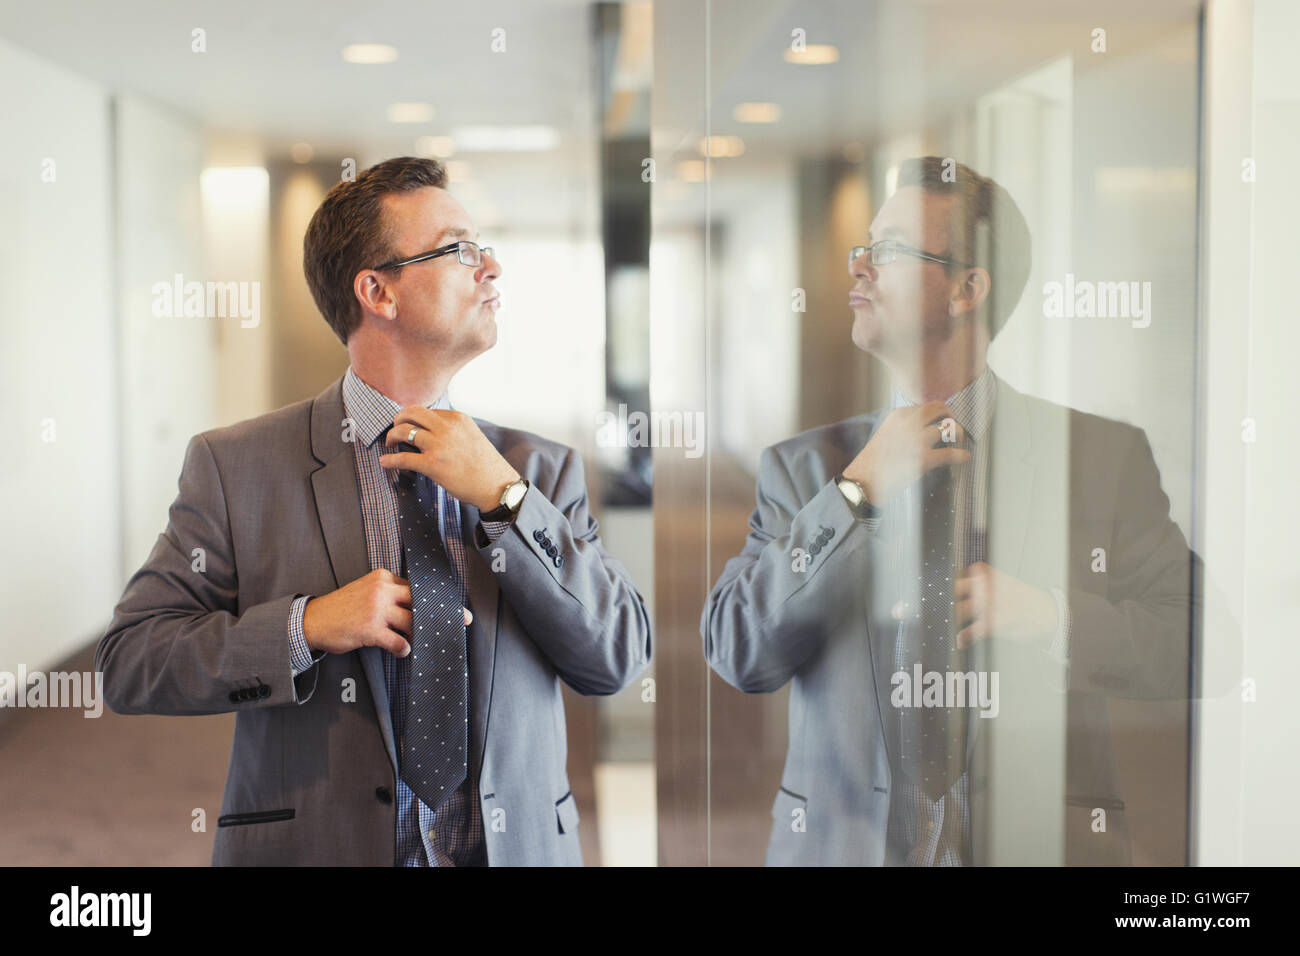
(386, 591)
(900, 562)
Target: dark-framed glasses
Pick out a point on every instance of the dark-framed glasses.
(469, 254)
(884, 251)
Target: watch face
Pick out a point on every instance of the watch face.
(515, 494)
(851, 491)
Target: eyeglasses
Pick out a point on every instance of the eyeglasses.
(887, 250)
(469, 254)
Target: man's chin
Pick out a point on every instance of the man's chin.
(866, 335)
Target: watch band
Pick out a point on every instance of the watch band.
(856, 498)
(504, 512)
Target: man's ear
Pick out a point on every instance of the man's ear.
(971, 293)
(375, 295)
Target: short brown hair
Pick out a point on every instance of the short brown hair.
(988, 229)
(348, 233)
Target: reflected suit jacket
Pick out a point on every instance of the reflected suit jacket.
(1062, 483)
(275, 506)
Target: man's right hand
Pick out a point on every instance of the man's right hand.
(908, 443)
(372, 611)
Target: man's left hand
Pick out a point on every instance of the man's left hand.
(991, 603)
(454, 453)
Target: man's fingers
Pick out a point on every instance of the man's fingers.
(403, 460)
(976, 631)
(389, 640)
(965, 612)
(400, 619)
(944, 457)
(468, 617)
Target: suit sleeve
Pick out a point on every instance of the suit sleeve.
(1135, 641)
(774, 605)
(577, 603)
(176, 644)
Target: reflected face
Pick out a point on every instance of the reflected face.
(449, 306)
(900, 308)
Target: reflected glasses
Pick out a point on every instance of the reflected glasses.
(469, 254)
(887, 250)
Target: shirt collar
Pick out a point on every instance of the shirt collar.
(972, 406)
(372, 412)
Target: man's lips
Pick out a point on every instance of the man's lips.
(857, 300)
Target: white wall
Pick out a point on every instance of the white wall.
(1246, 771)
(61, 562)
(166, 388)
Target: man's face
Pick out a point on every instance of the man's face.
(442, 303)
(900, 308)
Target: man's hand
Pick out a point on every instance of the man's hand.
(454, 453)
(909, 442)
(372, 611)
(990, 603)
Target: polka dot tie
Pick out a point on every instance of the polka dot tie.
(932, 740)
(433, 759)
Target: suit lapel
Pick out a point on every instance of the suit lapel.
(338, 506)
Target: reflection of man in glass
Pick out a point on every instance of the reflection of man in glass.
(888, 549)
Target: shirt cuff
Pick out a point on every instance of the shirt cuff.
(300, 655)
(495, 529)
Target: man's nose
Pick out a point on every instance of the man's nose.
(491, 267)
(861, 266)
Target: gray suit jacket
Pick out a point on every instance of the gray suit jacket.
(272, 506)
(1062, 483)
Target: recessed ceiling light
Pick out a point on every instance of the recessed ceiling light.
(410, 112)
(721, 147)
(439, 146)
(301, 152)
(505, 139)
(814, 54)
(756, 113)
(369, 53)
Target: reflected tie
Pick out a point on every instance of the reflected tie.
(932, 740)
(434, 748)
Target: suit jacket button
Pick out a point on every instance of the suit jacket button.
(559, 560)
(815, 549)
(384, 794)
(234, 697)
(552, 550)
(830, 532)
(264, 691)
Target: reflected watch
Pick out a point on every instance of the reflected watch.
(856, 496)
